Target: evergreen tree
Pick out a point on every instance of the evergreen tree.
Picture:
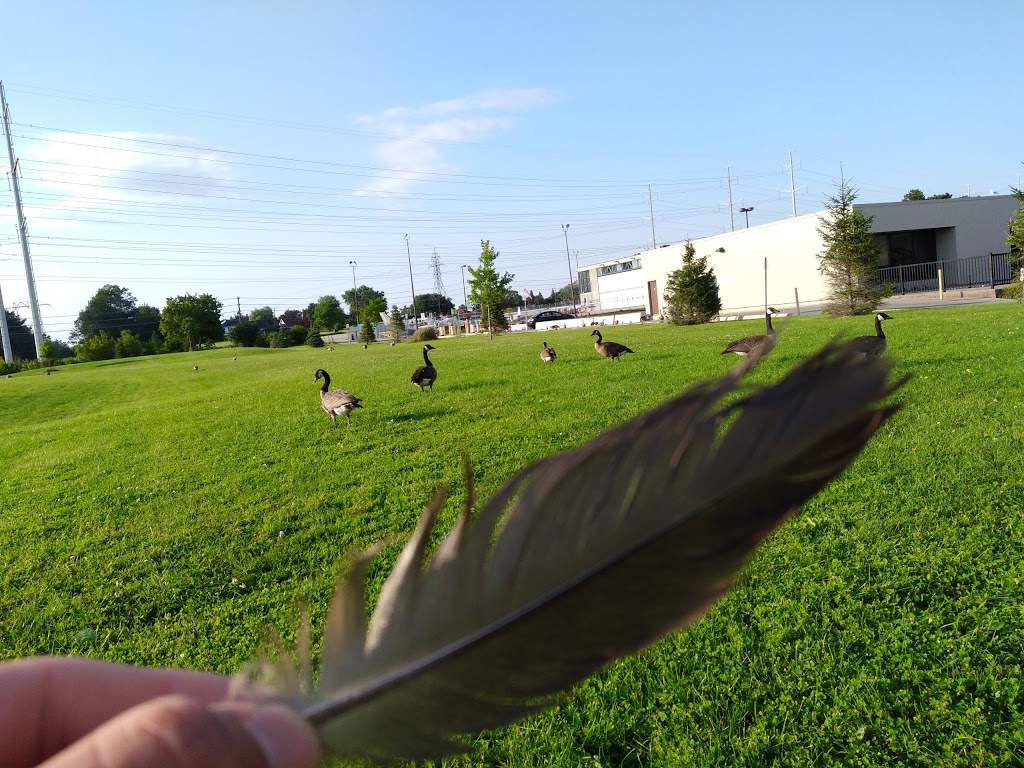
(313, 338)
(850, 259)
(489, 289)
(397, 326)
(691, 296)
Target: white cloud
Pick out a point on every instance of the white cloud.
(75, 173)
(421, 133)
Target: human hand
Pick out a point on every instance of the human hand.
(60, 712)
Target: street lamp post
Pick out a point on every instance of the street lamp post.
(746, 214)
(568, 261)
(412, 288)
(355, 293)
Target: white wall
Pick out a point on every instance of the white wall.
(623, 289)
(791, 247)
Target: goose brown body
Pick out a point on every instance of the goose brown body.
(872, 346)
(336, 402)
(426, 374)
(748, 344)
(609, 349)
(547, 354)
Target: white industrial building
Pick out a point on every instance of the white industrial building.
(966, 237)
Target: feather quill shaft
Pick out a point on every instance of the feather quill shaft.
(579, 559)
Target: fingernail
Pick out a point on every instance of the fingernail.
(286, 740)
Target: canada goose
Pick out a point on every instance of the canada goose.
(609, 348)
(234, 357)
(748, 344)
(48, 373)
(872, 346)
(195, 367)
(366, 346)
(393, 342)
(547, 354)
(335, 401)
(426, 374)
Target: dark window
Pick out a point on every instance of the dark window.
(913, 247)
(584, 278)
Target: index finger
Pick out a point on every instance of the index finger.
(47, 703)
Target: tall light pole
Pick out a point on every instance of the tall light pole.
(568, 261)
(355, 293)
(412, 288)
(746, 214)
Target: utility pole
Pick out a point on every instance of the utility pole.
(650, 202)
(355, 293)
(8, 355)
(37, 323)
(412, 288)
(792, 184)
(728, 175)
(239, 300)
(572, 292)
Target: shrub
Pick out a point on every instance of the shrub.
(313, 338)
(244, 335)
(98, 347)
(128, 345)
(1011, 291)
(297, 335)
(426, 333)
(279, 340)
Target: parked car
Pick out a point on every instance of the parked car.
(547, 316)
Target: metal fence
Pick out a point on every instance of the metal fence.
(986, 271)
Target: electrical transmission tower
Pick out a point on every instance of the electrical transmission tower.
(37, 323)
(435, 267)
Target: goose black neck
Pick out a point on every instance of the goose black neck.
(600, 340)
(327, 382)
(768, 321)
(425, 358)
(878, 327)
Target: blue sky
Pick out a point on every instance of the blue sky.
(254, 149)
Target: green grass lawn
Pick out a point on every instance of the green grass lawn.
(158, 515)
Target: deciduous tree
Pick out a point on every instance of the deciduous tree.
(190, 321)
(110, 309)
(370, 316)
(23, 345)
(328, 314)
(365, 294)
(1015, 238)
(489, 288)
(264, 318)
(98, 346)
(128, 345)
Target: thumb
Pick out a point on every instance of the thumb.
(178, 732)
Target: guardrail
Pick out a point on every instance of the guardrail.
(988, 271)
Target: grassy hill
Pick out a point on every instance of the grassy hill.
(164, 516)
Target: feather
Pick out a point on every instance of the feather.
(579, 559)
